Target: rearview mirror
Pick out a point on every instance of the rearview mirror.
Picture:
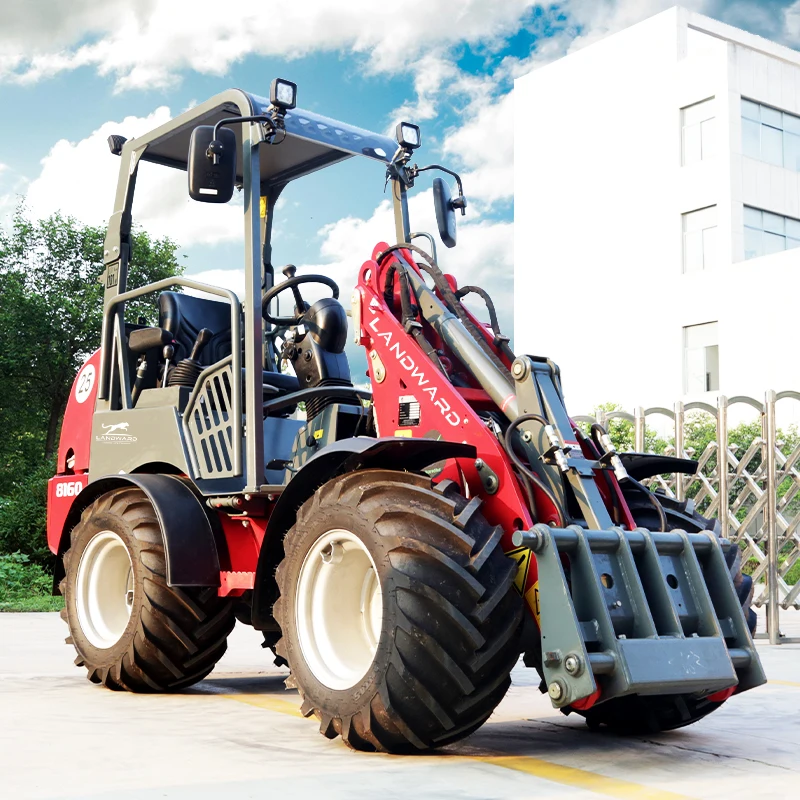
(212, 164)
(445, 212)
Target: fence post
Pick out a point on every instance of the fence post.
(722, 465)
(773, 620)
(679, 487)
(638, 429)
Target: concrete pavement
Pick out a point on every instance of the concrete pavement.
(239, 734)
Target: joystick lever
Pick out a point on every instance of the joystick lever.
(203, 338)
(188, 371)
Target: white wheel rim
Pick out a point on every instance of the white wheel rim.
(339, 609)
(104, 590)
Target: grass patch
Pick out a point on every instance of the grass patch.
(25, 586)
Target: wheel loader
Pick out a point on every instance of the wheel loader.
(400, 548)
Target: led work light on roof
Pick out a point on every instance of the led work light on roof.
(408, 135)
(283, 94)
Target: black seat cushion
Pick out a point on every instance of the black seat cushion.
(185, 316)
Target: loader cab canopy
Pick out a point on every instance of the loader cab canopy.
(312, 140)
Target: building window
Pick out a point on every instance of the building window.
(770, 135)
(701, 358)
(700, 239)
(766, 233)
(698, 129)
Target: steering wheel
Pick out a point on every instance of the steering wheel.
(293, 282)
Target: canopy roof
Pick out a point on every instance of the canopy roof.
(312, 140)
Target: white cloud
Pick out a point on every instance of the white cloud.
(79, 179)
(482, 256)
(148, 43)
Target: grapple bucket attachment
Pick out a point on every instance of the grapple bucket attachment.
(636, 612)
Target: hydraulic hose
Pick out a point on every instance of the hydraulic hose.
(450, 300)
(525, 470)
(597, 431)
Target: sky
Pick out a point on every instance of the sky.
(73, 73)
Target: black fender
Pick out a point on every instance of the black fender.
(347, 455)
(645, 465)
(189, 546)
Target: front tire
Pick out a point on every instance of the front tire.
(130, 629)
(398, 614)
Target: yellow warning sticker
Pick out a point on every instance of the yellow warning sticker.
(532, 599)
(319, 434)
(263, 207)
(522, 555)
(404, 434)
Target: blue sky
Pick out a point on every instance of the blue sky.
(72, 73)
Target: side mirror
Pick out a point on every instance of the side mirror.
(212, 164)
(445, 212)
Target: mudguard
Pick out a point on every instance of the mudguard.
(347, 455)
(645, 465)
(189, 546)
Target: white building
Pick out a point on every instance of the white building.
(657, 208)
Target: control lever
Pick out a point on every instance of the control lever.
(168, 352)
(300, 305)
(188, 370)
(203, 338)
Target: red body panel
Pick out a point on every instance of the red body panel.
(446, 412)
(61, 492)
(73, 450)
(76, 430)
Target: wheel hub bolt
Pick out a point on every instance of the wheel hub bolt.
(572, 664)
(556, 691)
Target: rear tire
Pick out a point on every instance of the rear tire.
(420, 655)
(641, 715)
(130, 629)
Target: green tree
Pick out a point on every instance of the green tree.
(51, 306)
(51, 309)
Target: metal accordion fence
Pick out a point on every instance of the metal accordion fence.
(755, 496)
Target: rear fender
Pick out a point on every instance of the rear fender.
(189, 547)
(347, 455)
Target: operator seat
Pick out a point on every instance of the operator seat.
(185, 316)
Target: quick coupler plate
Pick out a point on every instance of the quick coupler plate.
(635, 612)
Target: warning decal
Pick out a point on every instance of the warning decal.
(532, 599)
(522, 555)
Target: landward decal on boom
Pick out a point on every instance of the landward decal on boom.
(408, 364)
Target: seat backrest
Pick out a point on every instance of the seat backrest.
(185, 316)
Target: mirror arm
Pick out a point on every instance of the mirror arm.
(274, 123)
(460, 201)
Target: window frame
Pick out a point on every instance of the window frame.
(705, 128)
(785, 123)
(771, 227)
(711, 378)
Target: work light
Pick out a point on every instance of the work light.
(408, 135)
(283, 94)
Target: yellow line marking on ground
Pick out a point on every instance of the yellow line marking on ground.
(580, 778)
(784, 683)
(267, 702)
(557, 773)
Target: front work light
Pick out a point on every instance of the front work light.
(283, 94)
(408, 135)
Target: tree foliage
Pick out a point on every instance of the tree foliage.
(51, 308)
